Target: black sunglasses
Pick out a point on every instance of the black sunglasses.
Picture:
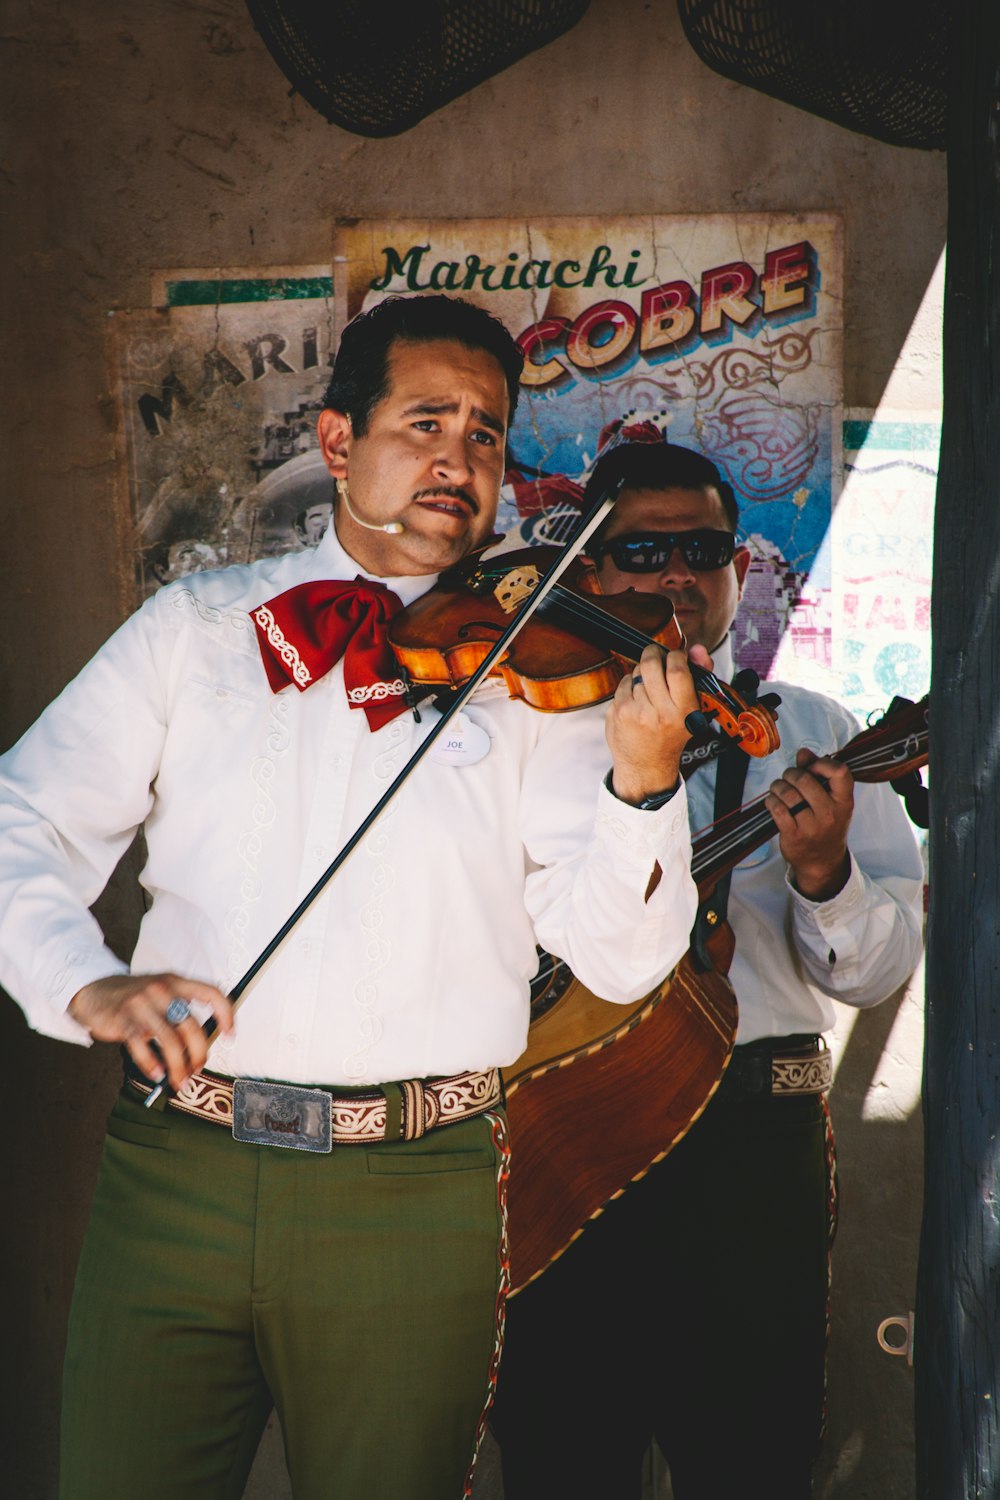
(650, 551)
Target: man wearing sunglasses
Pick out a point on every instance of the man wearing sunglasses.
(694, 1309)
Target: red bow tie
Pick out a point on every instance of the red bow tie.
(305, 631)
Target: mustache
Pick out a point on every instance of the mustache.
(447, 492)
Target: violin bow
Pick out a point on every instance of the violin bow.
(589, 523)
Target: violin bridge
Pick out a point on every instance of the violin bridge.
(516, 586)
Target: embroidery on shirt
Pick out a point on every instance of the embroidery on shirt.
(250, 842)
(616, 826)
(238, 635)
(377, 948)
(70, 962)
(249, 845)
(377, 951)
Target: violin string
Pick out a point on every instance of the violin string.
(629, 641)
(874, 760)
(738, 841)
(739, 829)
(877, 760)
(868, 760)
(625, 636)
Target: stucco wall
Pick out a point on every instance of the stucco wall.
(141, 137)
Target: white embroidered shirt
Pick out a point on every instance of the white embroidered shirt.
(416, 959)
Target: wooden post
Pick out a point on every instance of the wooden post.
(958, 1293)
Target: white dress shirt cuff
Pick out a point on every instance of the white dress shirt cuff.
(76, 970)
(636, 837)
(825, 927)
(838, 908)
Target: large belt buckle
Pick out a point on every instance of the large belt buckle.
(280, 1114)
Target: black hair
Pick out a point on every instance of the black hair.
(360, 377)
(661, 466)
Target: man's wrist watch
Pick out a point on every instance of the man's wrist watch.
(648, 804)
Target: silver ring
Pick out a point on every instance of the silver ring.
(177, 1011)
(636, 679)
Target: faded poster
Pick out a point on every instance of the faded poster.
(723, 329)
(220, 386)
(881, 544)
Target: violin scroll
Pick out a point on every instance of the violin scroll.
(751, 725)
(741, 715)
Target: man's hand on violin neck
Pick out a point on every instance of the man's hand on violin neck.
(812, 806)
(132, 1009)
(645, 724)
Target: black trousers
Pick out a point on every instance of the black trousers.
(694, 1311)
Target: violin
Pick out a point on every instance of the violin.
(572, 653)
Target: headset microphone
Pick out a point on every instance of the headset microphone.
(393, 528)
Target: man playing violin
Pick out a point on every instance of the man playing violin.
(250, 718)
(694, 1309)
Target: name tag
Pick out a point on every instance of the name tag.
(280, 1114)
(461, 743)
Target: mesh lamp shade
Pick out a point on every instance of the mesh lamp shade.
(376, 69)
(877, 66)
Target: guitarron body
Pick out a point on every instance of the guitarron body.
(602, 1092)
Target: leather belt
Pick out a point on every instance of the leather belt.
(777, 1067)
(393, 1111)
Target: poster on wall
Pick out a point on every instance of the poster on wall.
(723, 330)
(881, 549)
(220, 383)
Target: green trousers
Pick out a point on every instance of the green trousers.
(360, 1293)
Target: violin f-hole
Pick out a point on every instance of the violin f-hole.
(463, 632)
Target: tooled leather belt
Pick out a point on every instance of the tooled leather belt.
(775, 1067)
(275, 1114)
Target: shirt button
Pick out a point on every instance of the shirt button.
(292, 1039)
